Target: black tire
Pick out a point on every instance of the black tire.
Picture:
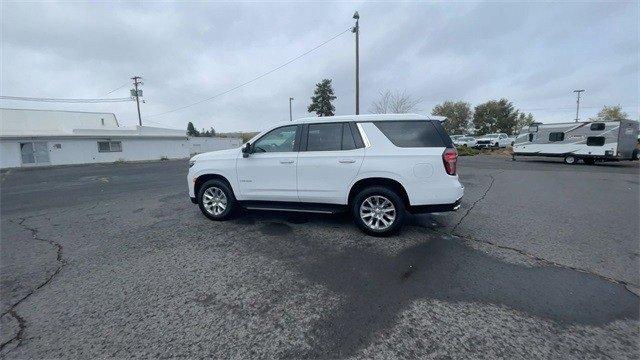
(231, 202)
(635, 155)
(589, 161)
(570, 160)
(387, 193)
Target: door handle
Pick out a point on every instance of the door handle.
(286, 161)
(346, 161)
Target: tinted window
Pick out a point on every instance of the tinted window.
(277, 140)
(356, 135)
(595, 140)
(347, 138)
(324, 137)
(556, 136)
(597, 126)
(411, 133)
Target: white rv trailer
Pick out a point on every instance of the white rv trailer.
(587, 141)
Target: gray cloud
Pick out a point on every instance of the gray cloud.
(531, 53)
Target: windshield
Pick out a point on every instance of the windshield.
(492, 136)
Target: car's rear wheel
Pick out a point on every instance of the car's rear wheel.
(570, 159)
(216, 200)
(378, 211)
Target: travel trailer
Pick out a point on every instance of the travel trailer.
(587, 141)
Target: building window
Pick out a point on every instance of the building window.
(556, 136)
(595, 141)
(597, 126)
(36, 152)
(109, 146)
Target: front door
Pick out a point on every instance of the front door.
(269, 172)
(328, 163)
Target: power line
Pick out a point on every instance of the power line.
(252, 80)
(22, 98)
(118, 88)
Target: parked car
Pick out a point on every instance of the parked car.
(455, 137)
(378, 167)
(465, 141)
(500, 140)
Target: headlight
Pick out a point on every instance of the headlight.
(191, 163)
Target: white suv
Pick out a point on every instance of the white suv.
(378, 167)
(500, 140)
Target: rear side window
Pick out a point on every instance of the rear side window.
(595, 140)
(556, 136)
(325, 137)
(597, 126)
(347, 138)
(408, 134)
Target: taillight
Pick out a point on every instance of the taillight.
(450, 159)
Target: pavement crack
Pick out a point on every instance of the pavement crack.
(12, 310)
(486, 191)
(627, 285)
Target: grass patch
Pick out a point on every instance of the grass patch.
(467, 151)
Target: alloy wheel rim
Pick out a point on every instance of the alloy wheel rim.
(214, 201)
(377, 212)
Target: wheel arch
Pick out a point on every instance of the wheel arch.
(206, 177)
(378, 181)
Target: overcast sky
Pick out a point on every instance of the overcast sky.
(534, 54)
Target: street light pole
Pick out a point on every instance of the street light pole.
(356, 30)
(290, 113)
(578, 104)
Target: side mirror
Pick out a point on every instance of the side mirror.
(246, 150)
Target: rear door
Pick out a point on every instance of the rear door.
(328, 161)
(627, 138)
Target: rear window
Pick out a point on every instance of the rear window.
(408, 134)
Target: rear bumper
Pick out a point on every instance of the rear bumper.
(421, 209)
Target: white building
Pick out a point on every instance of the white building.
(52, 137)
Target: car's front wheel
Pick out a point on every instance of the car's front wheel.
(216, 200)
(378, 211)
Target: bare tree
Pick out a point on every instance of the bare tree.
(395, 102)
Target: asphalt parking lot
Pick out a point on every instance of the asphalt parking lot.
(541, 261)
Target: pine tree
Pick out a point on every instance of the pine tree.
(322, 98)
(191, 130)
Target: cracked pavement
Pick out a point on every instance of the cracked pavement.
(538, 263)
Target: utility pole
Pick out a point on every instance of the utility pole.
(137, 93)
(578, 103)
(356, 30)
(290, 113)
